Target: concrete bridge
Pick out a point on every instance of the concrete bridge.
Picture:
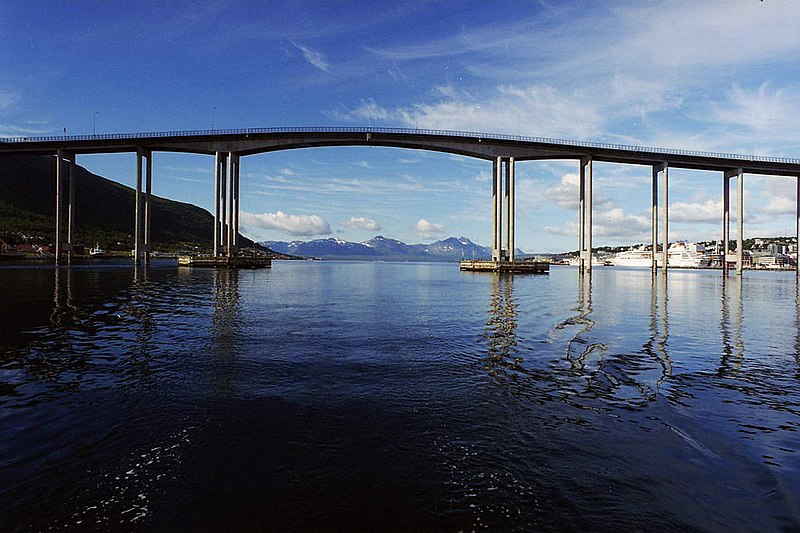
(229, 146)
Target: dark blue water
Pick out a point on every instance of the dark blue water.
(397, 397)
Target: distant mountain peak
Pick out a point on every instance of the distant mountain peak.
(381, 247)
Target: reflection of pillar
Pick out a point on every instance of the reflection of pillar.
(737, 317)
(225, 330)
(501, 326)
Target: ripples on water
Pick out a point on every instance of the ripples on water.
(384, 396)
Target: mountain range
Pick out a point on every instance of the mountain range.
(382, 248)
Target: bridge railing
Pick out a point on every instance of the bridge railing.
(401, 131)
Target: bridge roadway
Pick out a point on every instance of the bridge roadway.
(228, 146)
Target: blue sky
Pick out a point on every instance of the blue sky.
(721, 76)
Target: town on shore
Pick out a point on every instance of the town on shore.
(773, 253)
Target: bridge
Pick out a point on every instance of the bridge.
(504, 151)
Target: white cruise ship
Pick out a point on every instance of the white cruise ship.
(688, 255)
(680, 254)
(635, 257)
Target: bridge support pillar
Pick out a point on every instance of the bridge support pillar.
(496, 207)
(220, 181)
(503, 240)
(510, 202)
(148, 206)
(71, 209)
(662, 169)
(797, 229)
(59, 205)
(654, 222)
(726, 217)
(139, 209)
(739, 221)
(233, 211)
(585, 215)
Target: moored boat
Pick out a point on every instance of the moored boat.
(680, 254)
(97, 251)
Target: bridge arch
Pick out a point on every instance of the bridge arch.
(229, 146)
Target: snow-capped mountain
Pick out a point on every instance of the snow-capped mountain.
(383, 248)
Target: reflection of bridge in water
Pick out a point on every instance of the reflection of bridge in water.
(504, 151)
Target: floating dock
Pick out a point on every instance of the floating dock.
(224, 262)
(517, 267)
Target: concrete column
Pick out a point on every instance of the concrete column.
(581, 215)
(512, 208)
(238, 206)
(665, 216)
(585, 208)
(739, 220)
(233, 216)
(797, 228)
(232, 206)
(216, 205)
(654, 223)
(496, 208)
(726, 216)
(71, 209)
(59, 202)
(223, 187)
(138, 230)
(148, 207)
(587, 164)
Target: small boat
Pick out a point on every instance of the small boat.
(97, 251)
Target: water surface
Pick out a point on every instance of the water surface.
(397, 397)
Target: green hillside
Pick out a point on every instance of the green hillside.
(104, 210)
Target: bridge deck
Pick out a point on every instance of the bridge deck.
(472, 144)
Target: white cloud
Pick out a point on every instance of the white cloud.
(613, 224)
(315, 57)
(708, 211)
(780, 195)
(363, 223)
(565, 194)
(6, 100)
(299, 225)
(536, 109)
(426, 229)
(764, 110)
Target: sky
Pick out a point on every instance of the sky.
(713, 75)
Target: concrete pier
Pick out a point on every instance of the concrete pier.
(517, 266)
(224, 262)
